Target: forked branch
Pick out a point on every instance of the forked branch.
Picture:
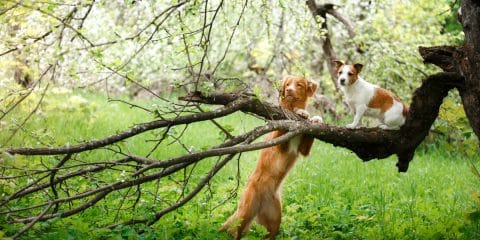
(367, 143)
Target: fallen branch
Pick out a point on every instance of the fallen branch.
(243, 143)
(367, 143)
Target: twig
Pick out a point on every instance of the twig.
(26, 95)
(28, 117)
(32, 222)
(230, 39)
(206, 39)
(52, 179)
(182, 202)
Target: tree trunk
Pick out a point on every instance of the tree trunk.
(469, 62)
(464, 60)
(21, 75)
(328, 51)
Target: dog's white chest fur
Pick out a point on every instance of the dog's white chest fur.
(359, 93)
(293, 144)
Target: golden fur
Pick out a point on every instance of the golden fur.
(261, 198)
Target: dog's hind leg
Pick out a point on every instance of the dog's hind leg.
(238, 223)
(245, 216)
(241, 220)
(270, 216)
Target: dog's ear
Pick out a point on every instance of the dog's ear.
(358, 67)
(311, 87)
(338, 64)
(282, 86)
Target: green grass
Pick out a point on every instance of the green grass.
(329, 195)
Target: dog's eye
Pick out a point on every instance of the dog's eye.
(350, 74)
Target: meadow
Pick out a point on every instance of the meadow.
(329, 195)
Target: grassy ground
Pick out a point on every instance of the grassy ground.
(329, 195)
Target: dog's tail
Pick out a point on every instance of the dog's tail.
(406, 109)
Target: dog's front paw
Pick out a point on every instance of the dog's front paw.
(386, 127)
(351, 125)
(316, 119)
(302, 112)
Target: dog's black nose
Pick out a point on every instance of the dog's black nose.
(342, 81)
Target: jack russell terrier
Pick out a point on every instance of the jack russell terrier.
(368, 99)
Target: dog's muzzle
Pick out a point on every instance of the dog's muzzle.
(342, 81)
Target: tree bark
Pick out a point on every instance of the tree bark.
(464, 61)
(462, 71)
(322, 10)
(469, 62)
(367, 143)
(329, 52)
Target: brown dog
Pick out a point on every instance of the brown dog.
(261, 198)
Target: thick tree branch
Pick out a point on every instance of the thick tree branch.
(442, 56)
(327, 47)
(367, 143)
(463, 60)
(469, 62)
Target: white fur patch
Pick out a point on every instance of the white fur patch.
(293, 144)
(394, 118)
(316, 119)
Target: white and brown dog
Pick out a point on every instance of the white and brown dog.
(368, 99)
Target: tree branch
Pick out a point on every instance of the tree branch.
(138, 129)
(367, 143)
(32, 222)
(442, 56)
(174, 165)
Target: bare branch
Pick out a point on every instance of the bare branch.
(9, 51)
(227, 147)
(28, 117)
(442, 56)
(61, 20)
(231, 37)
(32, 222)
(138, 129)
(182, 202)
(205, 38)
(52, 179)
(28, 93)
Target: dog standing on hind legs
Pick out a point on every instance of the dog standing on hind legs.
(261, 198)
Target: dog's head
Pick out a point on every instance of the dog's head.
(295, 92)
(347, 74)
